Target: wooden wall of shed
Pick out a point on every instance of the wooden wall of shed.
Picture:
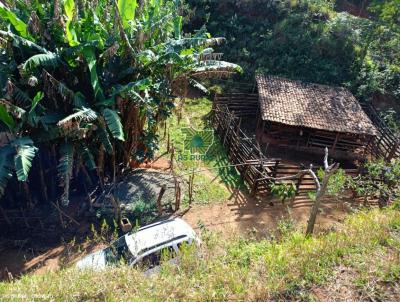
(341, 145)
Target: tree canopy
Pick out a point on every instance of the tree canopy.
(311, 40)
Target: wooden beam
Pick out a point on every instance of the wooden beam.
(335, 142)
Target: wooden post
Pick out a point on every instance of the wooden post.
(191, 178)
(172, 158)
(177, 194)
(117, 208)
(299, 180)
(239, 125)
(335, 142)
(276, 168)
(254, 187)
(168, 142)
(160, 196)
(227, 130)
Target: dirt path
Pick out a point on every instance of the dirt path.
(242, 214)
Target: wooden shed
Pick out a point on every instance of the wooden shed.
(310, 117)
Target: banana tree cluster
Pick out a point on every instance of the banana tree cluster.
(90, 80)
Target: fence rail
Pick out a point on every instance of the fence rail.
(387, 144)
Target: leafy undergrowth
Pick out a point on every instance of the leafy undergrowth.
(215, 180)
(367, 243)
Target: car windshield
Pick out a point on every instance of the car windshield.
(157, 257)
(118, 252)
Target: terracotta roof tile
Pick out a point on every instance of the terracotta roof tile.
(316, 106)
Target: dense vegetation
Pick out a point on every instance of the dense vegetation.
(311, 40)
(288, 268)
(85, 84)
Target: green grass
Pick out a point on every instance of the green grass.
(215, 184)
(238, 269)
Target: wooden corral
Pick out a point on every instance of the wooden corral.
(259, 169)
(309, 117)
(350, 130)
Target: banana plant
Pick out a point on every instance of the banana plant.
(91, 81)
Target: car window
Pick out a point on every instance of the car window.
(118, 252)
(157, 257)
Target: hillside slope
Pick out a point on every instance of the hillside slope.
(358, 261)
(310, 40)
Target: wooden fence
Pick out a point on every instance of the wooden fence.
(387, 144)
(240, 104)
(241, 149)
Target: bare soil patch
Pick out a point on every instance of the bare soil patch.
(36, 255)
(243, 214)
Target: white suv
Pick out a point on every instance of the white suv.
(144, 246)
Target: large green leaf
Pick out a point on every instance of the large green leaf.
(18, 24)
(127, 9)
(84, 114)
(90, 58)
(69, 8)
(114, 123)
(33, 118)
(37, 98)
(23, 160)
(214, 68)
(139, 85)
(6, 118)
(20, 41)
(41, 60)
(104, 139)
(178, 27)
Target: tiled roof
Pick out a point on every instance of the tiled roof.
(316, 106)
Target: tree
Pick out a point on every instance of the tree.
(322, 188)
(88, 82)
